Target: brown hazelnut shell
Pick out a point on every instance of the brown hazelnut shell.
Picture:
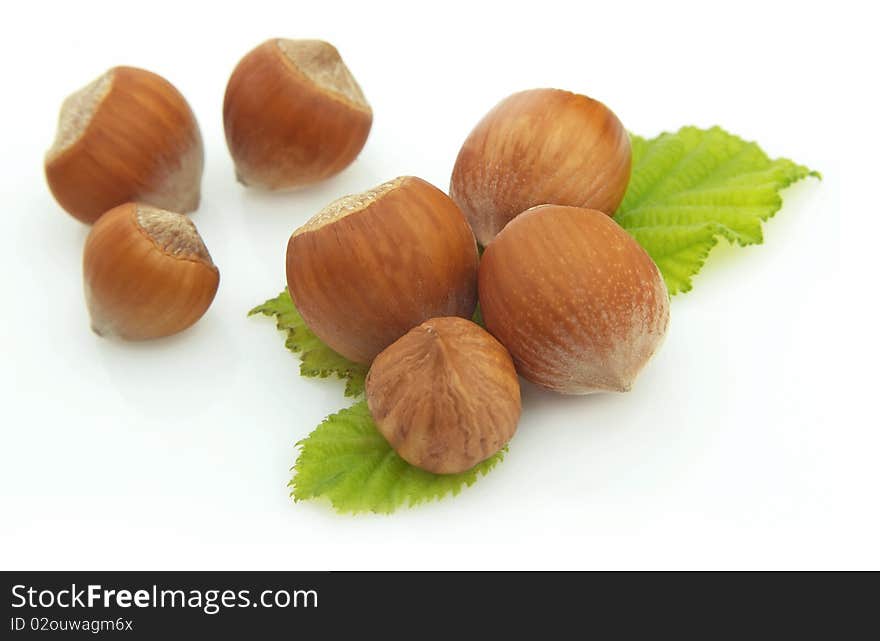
(128, 136)
(146, 273)
(372, 266)
(536, 147)
(445, 395)
(293, 114)
(577, 301)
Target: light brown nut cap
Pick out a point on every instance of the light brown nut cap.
(577, 301)
(542, 146)
(293, 114)
(369, 267)
(127, 136)
(445, 395)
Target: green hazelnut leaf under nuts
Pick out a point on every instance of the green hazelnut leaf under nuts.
(692, 187)
(318, 360)
(349, 462)
(687, 190)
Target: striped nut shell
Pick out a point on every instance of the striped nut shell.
(293, 114)
(127, 136)
(577, 301)
(369, 267)
(146, 272)
(537, 147)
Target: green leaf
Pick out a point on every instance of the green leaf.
(317, 359)
(349, 462)
(690, 188)
(478, 317)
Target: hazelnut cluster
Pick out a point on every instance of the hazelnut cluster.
(390, 277)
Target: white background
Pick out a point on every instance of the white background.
(751, 441)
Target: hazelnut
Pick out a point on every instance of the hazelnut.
(294, 114)
(146, 273)
(127, 136)
(544, 146)
(445, 395)
(369, 267)
(579, 304)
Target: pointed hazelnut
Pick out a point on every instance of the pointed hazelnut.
(445, 395)
(577, 301)
(537, 147)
